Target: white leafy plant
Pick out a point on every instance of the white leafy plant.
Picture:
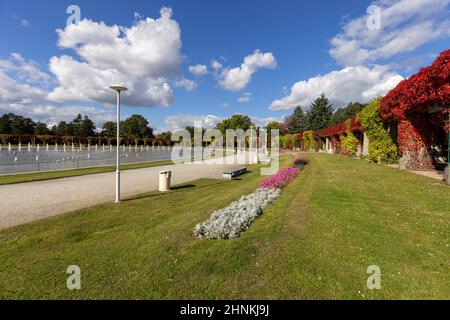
(229, 222)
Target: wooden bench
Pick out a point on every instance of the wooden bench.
(234, 172)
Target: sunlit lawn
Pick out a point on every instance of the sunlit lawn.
(316, 241)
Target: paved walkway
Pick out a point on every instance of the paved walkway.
(26, 202)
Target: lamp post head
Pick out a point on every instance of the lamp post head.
(118, 88)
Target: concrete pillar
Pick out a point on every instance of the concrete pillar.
(365, 150)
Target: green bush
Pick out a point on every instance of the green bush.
(349, 143)
(381, 147)
(310, 143)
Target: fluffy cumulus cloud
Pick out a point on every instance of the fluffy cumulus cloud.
(24, 70)
(245, 97)
(216, 65)
(143, 57)
(354, 83)
(198, 70)
(187, 84)
(181, 121)
(236, 79)
(404, 26)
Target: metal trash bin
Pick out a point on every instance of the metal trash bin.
(164, 180)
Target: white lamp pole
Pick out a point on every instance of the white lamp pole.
(118, 89)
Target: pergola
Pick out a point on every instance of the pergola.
(420, 105)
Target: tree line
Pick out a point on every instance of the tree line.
(81, 126)
(321, 114)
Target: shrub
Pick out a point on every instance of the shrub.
(301, 160)
(310, 143)
(381, 147)
(349, 144)
(281, 179)
(229, 222)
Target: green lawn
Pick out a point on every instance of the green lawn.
(316, 241)
(49, 175)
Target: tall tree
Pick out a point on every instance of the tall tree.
(21, 125)
(136, 126)
(41, 129)
(5, 123)
(296, 123)
(62, 129)
(87, 127)
(320, 113)
(343, 114)
(237, 121)
(75, 127)
(109, 129)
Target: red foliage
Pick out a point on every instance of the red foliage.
(355, 125)
(409, 103)
(414, 139)
(429, 87)
(335, 130)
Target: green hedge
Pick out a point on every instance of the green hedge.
(381, 147)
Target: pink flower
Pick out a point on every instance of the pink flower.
(281, 179)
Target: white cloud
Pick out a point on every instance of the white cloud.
(245, 97)
(262, 122)
(31, 101)
(405, 26)
(24, 70)
(236, 79)
(216, 65)
(24, 23)
(198, 70)
(143, 57)
(189, 85)
(181, 121)
(226, 105)
(356, 83)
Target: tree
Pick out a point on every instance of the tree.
(21, 125)
(109, 129)
(41, 129)
(320, 113)
(237, 121)
(5, 123)
(163, 138)
(136, 126)
(275, 125)
(75, 127)
(343, 114)
(87, 127)
(61, 129)
(297, 122)
(338, 116)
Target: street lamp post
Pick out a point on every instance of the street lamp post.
(118, 89)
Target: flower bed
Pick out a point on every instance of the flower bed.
(229, 222)
(281, 179)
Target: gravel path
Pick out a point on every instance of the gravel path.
(26, 202)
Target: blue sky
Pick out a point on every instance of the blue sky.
(295, 50)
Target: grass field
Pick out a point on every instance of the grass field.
(315, 242)
(48, 175)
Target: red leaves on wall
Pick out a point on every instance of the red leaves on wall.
(429, 87)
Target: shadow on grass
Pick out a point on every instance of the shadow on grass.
(197, 184)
